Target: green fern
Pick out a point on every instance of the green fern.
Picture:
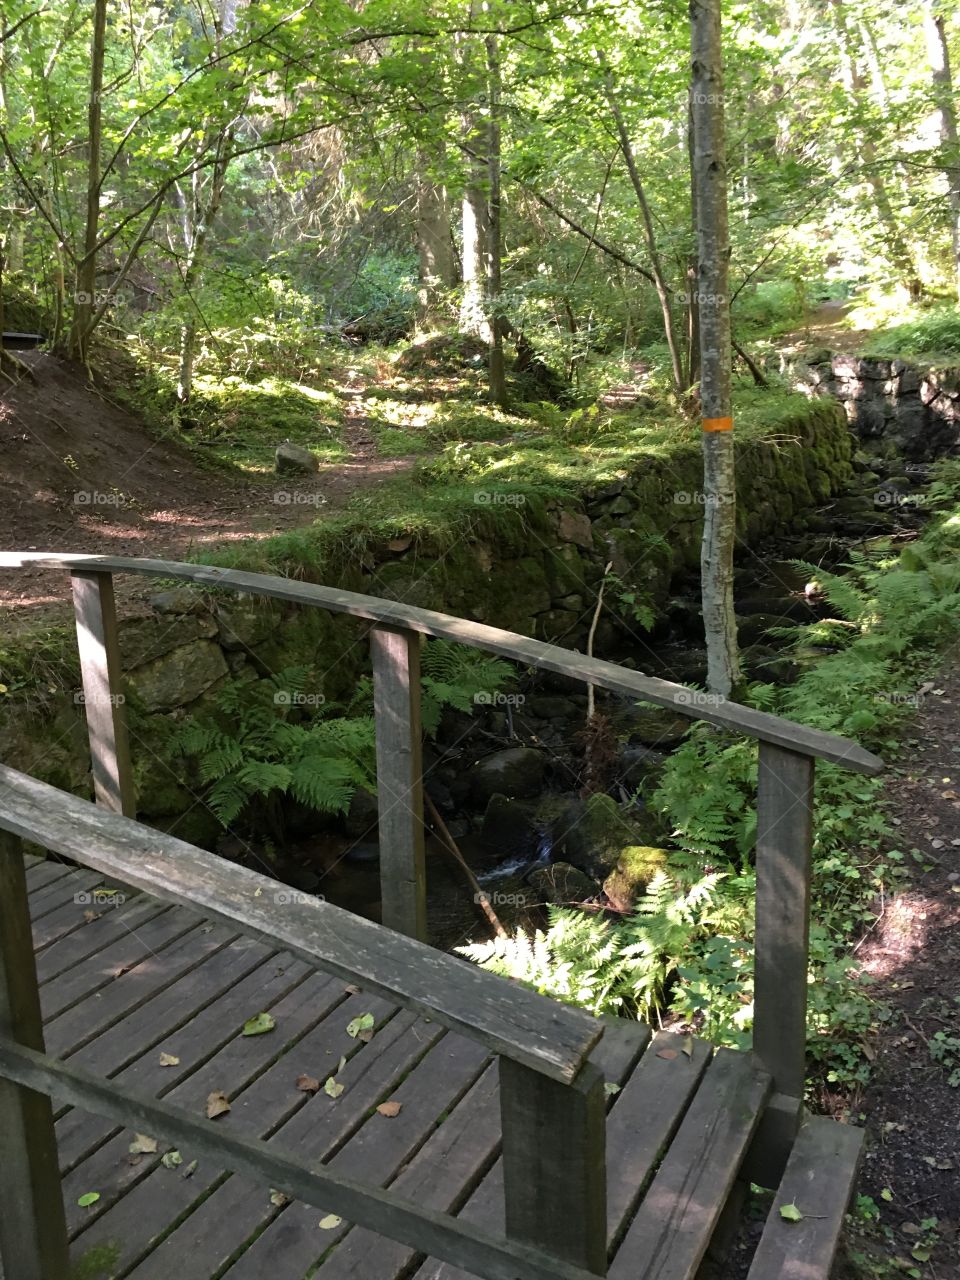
(453, 675)
(253, 748)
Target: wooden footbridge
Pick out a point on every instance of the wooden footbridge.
(398, 1113)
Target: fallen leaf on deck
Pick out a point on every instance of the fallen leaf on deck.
(169, 1060)
(218, 1104)
(279, 1198)
(259, 1025)
(329, 1222)
(142, 1145)
(790, 1213)
(610, 1088)
(190, 1170)
(172, 1160)
(390, 1109)
(687, 1047)
(331, 1088)
(358, 1026)
(88, 1198)
(666, 1053)
(308, 1084)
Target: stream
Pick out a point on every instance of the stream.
(342, 862)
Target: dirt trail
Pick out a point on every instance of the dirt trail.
(82, 474)
(910, 1109)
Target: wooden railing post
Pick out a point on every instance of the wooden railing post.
(33, 1231)
(781, 948)
(396, 705)
(96, 618)
(554, 1163)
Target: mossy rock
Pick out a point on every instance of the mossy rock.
(593, 834)
(636, 867)
(179, 677)
(144, 640)
(561, 884)
(658, 727)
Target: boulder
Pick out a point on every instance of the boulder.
(362, 815)
(179, 600)
(575, 527)
(657, 727)
(635, 868)
(509, 829)
(179, 677)
(143, 640)
(293, 459)
(592, 834)
(562, 884)
(244, 624)
(515, 772)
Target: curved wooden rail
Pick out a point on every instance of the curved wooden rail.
(506, 644)
(553, 1096)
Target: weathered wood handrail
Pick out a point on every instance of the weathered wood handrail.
(33, 1237)
(551, 1038)
(788, 752)
(506, 644)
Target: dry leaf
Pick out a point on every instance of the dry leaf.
(332, 1088)
(142, 1145)
(217, 1104)
(279, 1198)
(172, 1160)
(329, 1222)
(687, 1046)
(307, 1084)
(169, 1060)
(352, 990)
(90, 916)
(390, 1109)
(666, 1053)
(190, 1170)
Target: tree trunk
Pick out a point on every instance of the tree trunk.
(693, 313)
(898, 251)
(710, 179)
(84, 303)
(434, 245)
(473, 307)
(198, 219)
(498, 383)
(659, 278)
(939, 55)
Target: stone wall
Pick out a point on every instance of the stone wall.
(537, 574)
(897, 409)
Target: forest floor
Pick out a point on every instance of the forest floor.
(911, 1106)
(83, 474)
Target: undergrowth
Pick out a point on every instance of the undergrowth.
(686, 951)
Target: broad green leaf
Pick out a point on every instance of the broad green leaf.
(259, 1025)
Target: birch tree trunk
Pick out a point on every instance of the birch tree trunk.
(713, 300)
(84, 303)
(939, 56)
(473, 307)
